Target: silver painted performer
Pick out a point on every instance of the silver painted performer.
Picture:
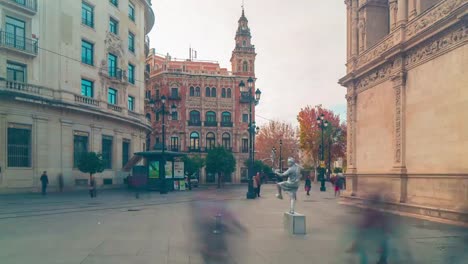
(291, 185)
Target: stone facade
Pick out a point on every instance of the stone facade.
(407, 100)
(42, 68)
(189, 86)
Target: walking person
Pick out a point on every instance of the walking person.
(308, 185)
(338, 184)
(259, 183)
(255, 185)
(44, 182)
(92, 187)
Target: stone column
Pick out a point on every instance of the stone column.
(3, 151)
(411, 9)
(349, 29)
(402, 14)
(40, 149)
(399, 164)
(351, 97)
(354, 29)
(393, 8)
(66, 151)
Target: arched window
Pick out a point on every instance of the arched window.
(194, 141)
(213, 92)
(229, 93)
(175, 115)
(223, 93)
(207, 92)
(210, 140)
(226, 117)
(148, 117)
(244, 43)
(210, 116)
(226, 141)
(192, 91)
(245, 66)
(197, 91)
(194, 116)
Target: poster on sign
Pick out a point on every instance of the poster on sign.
(154, 170)
(179, 169)
(168, 169)
(182, 185)
(176, 185)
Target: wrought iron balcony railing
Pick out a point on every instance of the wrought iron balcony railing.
(174, 97)
(10, 40)
(174, 148)
(245, 150)
(226, 123)
(211, 123)
(194, 149)
(194, 123)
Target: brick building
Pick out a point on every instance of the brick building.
(210, 108)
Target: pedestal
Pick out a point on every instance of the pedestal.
(294, 224)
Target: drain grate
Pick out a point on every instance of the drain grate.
(134, 209)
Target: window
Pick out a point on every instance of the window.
(131, 11)
(19, 146)
(87, 53)
(245, 118)
(87, 14)
(114, 2)
(174, 143)
(112, 96)
(131, 42)
(112, 64)
(210, 116)
(226, 117)
(147, 94)
(207, 92)
(223, 93)
(226, 141)
(244, 43)
(192, 91)
(175, 115)
(194, 116)
(229, 95)
(114, 26)
(210, 140)
(197, 92)
(80, 146)
(157, 116)
(15, 33)
(213, 92)
(125, 151)
(148, 117)
(87, 88)
(131, 103)
(131, 73)
(16, 72)
(194, 140)
(107, 152)
(245, 145)
(174, 92)
(245, 66)
(157, 94)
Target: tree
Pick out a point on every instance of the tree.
(310, 135)
(269, 137)
(221, 162)
(91, 162)
(259, 166)
(192, 165)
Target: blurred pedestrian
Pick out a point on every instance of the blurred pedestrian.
(308, 185)
(258, 179)
(255, 184)
(44, 182)
(60, 182)
(92, 187)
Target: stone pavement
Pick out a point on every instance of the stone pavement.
(117, 228)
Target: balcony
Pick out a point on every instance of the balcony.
(194, 123)
(16, 43)
(194, 149)
(86, 100)
(211, 123)
(174, 148)
(114, 108)
(245, 150)
(174, 97)
(28, 6)
(226, 124)
(133, 114)
(116, 74)
(26, 88)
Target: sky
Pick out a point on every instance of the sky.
(300, 45)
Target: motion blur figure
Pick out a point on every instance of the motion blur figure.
(214, 225)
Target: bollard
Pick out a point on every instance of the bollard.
(217, 229)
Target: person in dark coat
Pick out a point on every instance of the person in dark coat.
(44, 182)
(308, 185)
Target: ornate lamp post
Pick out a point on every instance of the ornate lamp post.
(247, 94)
(273, 157)
(162, 110)
(323, 124)
(281, 156)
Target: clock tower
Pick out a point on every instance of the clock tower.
(243, 55)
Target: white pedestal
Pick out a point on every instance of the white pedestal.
(294, 224)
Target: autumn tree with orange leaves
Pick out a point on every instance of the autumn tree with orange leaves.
(310, 136)
(269, 136)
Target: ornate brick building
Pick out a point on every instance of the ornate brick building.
(407, 104)
(211, 110)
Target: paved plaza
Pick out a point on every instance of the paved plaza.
(117, 228)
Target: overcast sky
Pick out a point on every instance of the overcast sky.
(300, 45)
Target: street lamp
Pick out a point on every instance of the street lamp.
(281, 156)
(247, 94)
(162, 109)
(323, 124)
(273, 157)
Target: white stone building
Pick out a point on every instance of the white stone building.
(72, 79)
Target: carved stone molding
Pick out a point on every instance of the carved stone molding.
(398, 85)
(378, 50)
(442, 10)
(435, 46)
(114, 44)
(351, 105)
(375, 77)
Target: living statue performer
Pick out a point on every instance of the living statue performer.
(291, 185)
